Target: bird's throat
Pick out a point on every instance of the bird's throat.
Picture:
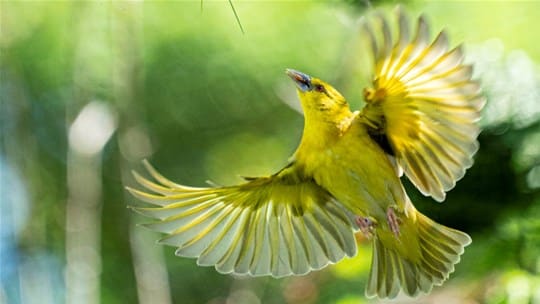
(320, 135)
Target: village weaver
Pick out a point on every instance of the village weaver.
(419, 119)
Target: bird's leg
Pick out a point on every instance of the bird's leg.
(366, 225)
(393, 221)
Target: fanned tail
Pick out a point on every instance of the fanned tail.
(439, 249)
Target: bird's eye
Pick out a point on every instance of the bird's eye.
(319, 88)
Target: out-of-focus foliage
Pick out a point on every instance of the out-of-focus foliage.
(188, 90)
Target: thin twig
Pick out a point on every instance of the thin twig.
(236, 16)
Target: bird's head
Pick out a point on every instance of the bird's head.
(320, 101)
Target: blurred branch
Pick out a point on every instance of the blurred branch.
(88, 135)
(152, 281)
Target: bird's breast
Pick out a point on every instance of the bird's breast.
(358, 173)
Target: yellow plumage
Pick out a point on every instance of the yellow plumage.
(344, 177)
(279, 225)
(429, 104)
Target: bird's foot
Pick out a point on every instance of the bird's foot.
(366, 225)
(393, 221)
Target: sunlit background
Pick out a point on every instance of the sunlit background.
(89, 89)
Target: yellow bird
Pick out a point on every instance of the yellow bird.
(419, 119)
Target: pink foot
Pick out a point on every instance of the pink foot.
(366, 225)
(393, 221)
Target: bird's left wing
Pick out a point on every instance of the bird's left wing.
(278, 225)
(423, 106)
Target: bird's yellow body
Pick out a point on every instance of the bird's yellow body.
(345, 176)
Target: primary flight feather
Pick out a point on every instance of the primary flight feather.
(420, 119)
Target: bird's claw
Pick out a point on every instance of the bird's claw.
(366, 225)
(393, 221)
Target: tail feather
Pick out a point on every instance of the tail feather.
(439, 250)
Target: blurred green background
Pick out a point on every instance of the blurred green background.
(89, 89)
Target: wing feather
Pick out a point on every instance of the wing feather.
(288, 237)
(425, 103)
(248, 245)
(228, 261)
(278, 225)
(215, 251)
(260, 263)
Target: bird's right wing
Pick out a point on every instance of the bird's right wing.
(423, 106)
(278, 225)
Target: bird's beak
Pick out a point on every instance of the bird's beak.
(303, 81)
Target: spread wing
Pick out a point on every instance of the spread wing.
(423, 106)
(278, 225)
